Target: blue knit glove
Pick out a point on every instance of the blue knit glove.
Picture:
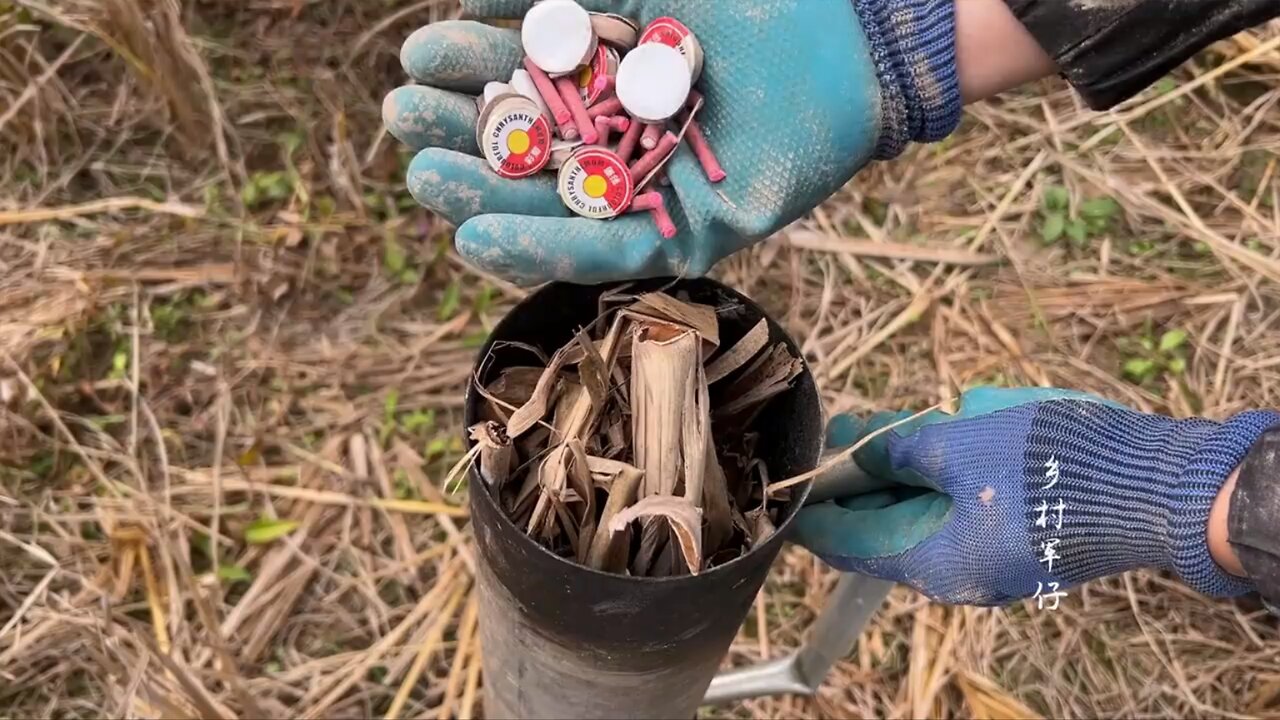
(1031, 490)
(800, 94)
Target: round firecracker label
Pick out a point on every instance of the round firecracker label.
(596, 184)
(486, 109)
(673, 33)
(591, 83)
(517, 139)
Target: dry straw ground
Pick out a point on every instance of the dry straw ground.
(223, 320)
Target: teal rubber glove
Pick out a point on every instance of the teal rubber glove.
(799, 95)
(1030, 491)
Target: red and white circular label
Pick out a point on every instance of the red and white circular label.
(517, 138)
(596, 184)
(673, 33)
(592, 77)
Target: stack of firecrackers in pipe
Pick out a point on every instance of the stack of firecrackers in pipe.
(603, 103)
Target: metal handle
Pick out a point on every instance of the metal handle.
(835, 631)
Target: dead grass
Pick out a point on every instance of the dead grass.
(220, 313)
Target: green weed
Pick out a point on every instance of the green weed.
(1147, 357)
(1093, 218)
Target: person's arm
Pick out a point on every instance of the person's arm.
(1244, 525)
(1244, 522)
(1026, 492)
(1109, 50)
(1219, 543)
(986, 25)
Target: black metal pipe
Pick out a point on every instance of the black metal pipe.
(560, 640)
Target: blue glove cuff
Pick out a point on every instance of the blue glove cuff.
(1201, 480)
(913, 45)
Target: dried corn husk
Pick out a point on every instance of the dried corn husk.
(625, 409)
(533, 410)
(684, 518)
(664, 358)
(742, 351)
(496, 452)
(608, 547)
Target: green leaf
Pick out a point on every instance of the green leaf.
(393, 256)
(389, 404)
(202, 544)
(41, 465)
(291, 141)
(385, 433)
(418, 420)
(233, 573)
(475, 339)
(1053, 226)
(1177, 365)
(213, 197)
(877, 209)
(249, 195)
(1164, 86)
(325, 205)
(1172, 340)
(102, 422)
(451, 300)
(401, 487)
(119, 364)
(265, 530)
(1056, 197)
(437, 446)
(483, 299)
(1077, 231)
(274, 184)
(1139, 368)
(1102, 208)
(263, 186)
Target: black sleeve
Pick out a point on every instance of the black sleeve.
(1109, 50)
(1253, 523)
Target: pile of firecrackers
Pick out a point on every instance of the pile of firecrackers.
(602, 102)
